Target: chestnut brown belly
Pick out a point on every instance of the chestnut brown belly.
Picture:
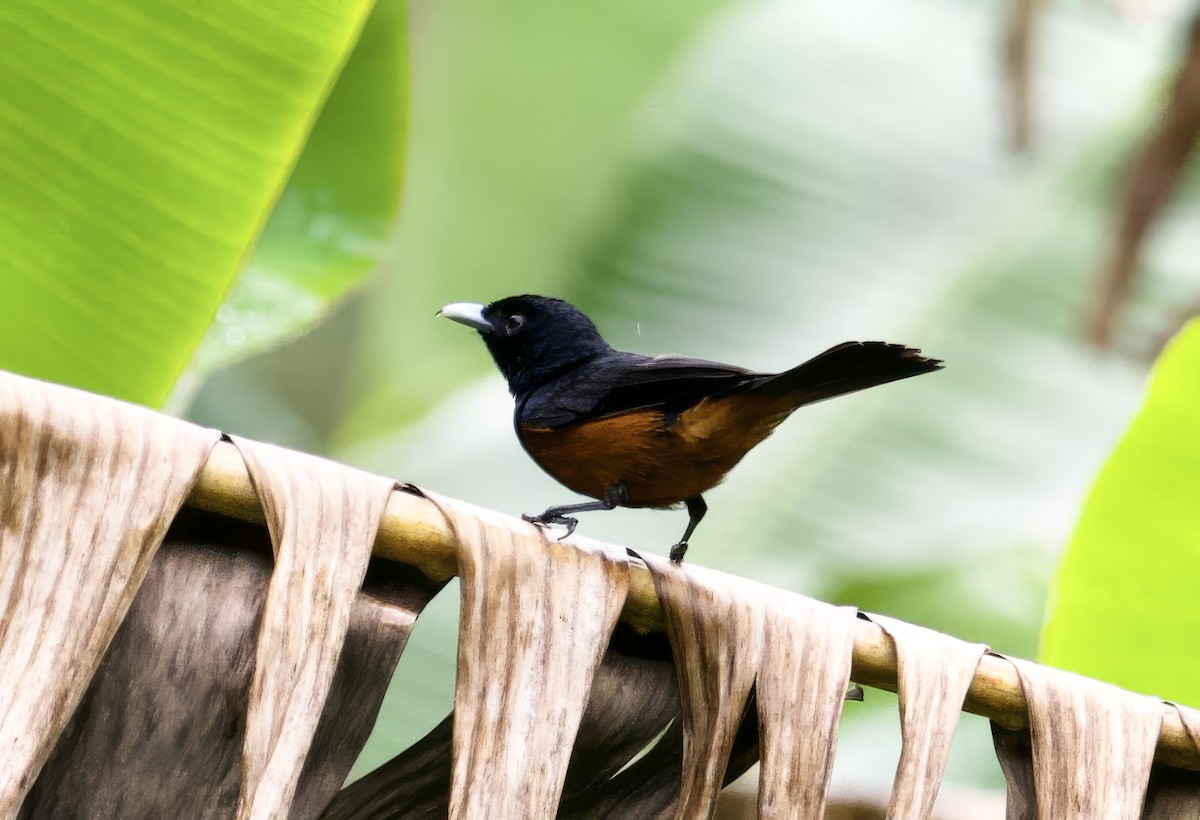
(659, 465)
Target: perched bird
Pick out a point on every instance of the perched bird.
(649, 431)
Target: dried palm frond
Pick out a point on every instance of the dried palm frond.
(220, 668)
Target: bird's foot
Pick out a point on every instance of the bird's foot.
(547, 518)
(677, 552)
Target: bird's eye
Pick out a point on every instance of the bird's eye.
(514, 324)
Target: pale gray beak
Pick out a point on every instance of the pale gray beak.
(469, 314)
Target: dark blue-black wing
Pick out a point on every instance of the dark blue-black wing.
(624, 382)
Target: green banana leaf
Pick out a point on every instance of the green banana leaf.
(1123, 607)
(142, 146)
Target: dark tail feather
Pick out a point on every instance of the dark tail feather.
(846, 368)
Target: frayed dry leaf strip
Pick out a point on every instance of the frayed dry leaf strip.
(934, 672)
(1092, 745)
(726, 633)
(717, 636)
(536, 618)
(323, 518)
(89, 487)
(1014, 751)
(801, 688)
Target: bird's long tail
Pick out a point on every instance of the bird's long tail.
(844, 369)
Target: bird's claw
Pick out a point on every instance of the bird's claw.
(545, 520)
(677, 552)
(570, 524)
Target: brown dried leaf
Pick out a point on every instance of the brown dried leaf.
(536, 618)
(717, 636)
(1014, 750)
(323, 518)
(726, 631)
(90, 487)
(801, 687)
(1092, 746)
(934, 672)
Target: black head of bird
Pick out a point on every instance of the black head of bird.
(638, 431)
(531, 338)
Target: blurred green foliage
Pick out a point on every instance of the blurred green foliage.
(1123, 606)
(141, 147)
(520, 118)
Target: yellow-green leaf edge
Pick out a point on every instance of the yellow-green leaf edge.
(1125, 606)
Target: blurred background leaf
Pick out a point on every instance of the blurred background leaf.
(521, 113)
(141, 147)
(1162, 163)
(1123, 606)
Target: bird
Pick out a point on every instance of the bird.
(631, 430)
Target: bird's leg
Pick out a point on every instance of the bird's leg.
(696, 509)
(614, 496)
